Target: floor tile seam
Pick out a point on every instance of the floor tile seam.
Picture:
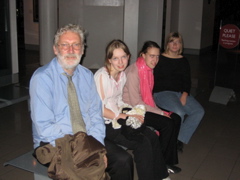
(200, 164)
(224, 157)
(13, 150)
(236, 161)
(8, 171)
(2, 160)
(17, 146)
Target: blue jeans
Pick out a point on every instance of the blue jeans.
(191, 114)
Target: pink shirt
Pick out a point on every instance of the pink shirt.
(131, 91)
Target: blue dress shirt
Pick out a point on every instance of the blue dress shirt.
(49, 103)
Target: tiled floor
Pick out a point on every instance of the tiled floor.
(212, 154)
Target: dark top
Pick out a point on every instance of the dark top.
(172, 74)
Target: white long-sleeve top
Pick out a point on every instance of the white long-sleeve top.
(112, 92)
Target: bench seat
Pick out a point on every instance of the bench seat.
(28, 163)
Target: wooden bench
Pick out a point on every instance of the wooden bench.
(28, 163)
(12, 94)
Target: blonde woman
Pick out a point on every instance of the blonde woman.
(172, 84)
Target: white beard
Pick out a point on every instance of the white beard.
(64, 62)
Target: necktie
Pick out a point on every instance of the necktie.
(75, 113)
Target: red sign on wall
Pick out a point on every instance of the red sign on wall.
(229, 36)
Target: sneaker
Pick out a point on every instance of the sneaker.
(173, 169)
(167, 178)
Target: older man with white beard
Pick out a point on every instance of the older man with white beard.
(50, 109)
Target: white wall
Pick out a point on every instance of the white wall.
(134, 21)
(196, 22)
(13, 32)
(103, 21)
(48, 21)
(31, 29)
(190, 22)
(207, 24)
(174, 18)
(150, 21)
(130, 33)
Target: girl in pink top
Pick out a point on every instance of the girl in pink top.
(138, 90)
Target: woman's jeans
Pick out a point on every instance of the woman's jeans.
(191, 114)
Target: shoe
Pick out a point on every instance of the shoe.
(173, 169)
(167, 178)
(180, 146)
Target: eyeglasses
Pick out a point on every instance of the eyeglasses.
(65, 46)
(153, 56)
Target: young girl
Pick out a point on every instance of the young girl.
(110, 81)
(172, 87)
(138, 90)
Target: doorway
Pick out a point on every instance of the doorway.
(20, 35)
(5, 55)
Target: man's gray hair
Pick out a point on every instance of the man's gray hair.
(72, 28)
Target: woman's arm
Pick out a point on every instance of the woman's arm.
(183, 98)
(107, 113)
(186, 73)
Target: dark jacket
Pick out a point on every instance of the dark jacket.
(75, 157)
